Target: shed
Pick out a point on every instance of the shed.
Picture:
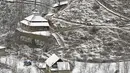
(60, 4)
(54, 64)
(2, 51)
(52, 60)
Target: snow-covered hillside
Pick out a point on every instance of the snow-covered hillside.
(94, 35)
(99, 38)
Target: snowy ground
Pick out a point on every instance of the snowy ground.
(123, 67)
(17, 65)
(80, 67)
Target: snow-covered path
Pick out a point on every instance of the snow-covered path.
(110, 9)
(59, 39)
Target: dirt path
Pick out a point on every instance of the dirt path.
(111, 9)
(59, 39)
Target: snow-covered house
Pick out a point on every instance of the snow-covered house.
(2, 51)
(54, 64)
(34, 24)
(60, 5)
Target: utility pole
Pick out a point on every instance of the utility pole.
(35, 4)
(20, 9)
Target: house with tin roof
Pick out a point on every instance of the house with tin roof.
(54, 64)
(59, 5)
(3, 51)
(34, 24)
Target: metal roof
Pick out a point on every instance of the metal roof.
(2, 47)
(43, 33)
(61, 3)
(34, 23)
(35, 20)
(63, 65)
(52, 60)
(35, 17)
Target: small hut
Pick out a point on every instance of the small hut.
(59, 5)
(2, 51)
(54, 64)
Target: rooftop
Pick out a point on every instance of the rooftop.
(35, 17)
(52, 60)
(2, 47)
(35, 20)
(42, 33)
(34, 23)
(61, 3)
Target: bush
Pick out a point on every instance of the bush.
(95, 6)
(94, 30)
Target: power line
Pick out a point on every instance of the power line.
(31, 2)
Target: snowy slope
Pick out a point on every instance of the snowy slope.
(100, 39)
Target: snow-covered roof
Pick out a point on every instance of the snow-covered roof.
(50, 14)
(10, 0)
(45, 33)
(2, 47)
(34, 23)
(35, 17)
(52, 60)
(35, 20)
(42, 33)
(63, 65)
(61, 3)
